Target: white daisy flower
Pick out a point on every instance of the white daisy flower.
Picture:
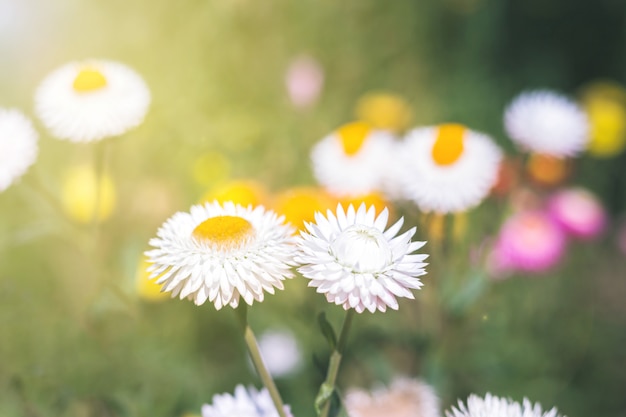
(352, 160)
(221, 253)
(404, 398)
(358, 264)
(245, 403)
(91, 100)
(18, 146)
(447, 168)
(546, 122)
(492, 406)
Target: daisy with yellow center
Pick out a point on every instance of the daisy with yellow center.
(89, 101)
(358, 263)
(447, 168)
(353, 160)
(221, 253)
(18, 146)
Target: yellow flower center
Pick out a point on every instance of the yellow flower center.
(352, 136)
(448, 146)
(224, 232)
(88, 80)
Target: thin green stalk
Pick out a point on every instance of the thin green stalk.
(328, 387)
(257, 360)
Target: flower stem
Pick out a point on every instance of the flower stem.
(257, 360)
(328, 387)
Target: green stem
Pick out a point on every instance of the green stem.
(335, 360)
(257, 360)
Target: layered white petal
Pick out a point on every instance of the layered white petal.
(356, 263)
(492, 406)
(244, 403)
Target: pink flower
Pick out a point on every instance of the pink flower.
(578, 212)
(529, 241)
(304, 80)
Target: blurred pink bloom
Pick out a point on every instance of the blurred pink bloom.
(304, 80)
(529, 241)
(578, 212)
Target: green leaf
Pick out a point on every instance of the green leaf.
(327, 330)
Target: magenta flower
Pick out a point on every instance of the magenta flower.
(529, 241)
(578, 212)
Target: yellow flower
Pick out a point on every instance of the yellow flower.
(81, 192)
(147, 288)
(242, 192)
(299, 204)
(605, 103)
(384, 110)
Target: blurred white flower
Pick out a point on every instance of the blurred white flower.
(245, 403)
(447, 168)
(350, 257)
(18, 146)
(304, 80)
(280, 352)
(546, 122)
(353, 160)
(404, 398)
(221, 253)
(91, 100)
(492, 406)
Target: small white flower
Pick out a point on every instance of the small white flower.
(18, 146)
(404, 398)
(492, 406)
(91, 100)
(245, 403)
(358, 264)
(546, 122)
(280, 352)
(221, 253)
(352, 160)
(447, 168)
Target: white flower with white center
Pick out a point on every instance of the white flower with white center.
(492, 406)
(356, 263)
(18, 146)
(353, 160)
(546, 122)
(221, 253)
(91, 100)
(245, 403)
(447, 168)
(280, 352)
(404, 398)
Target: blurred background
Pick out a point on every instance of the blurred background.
(241, 90)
